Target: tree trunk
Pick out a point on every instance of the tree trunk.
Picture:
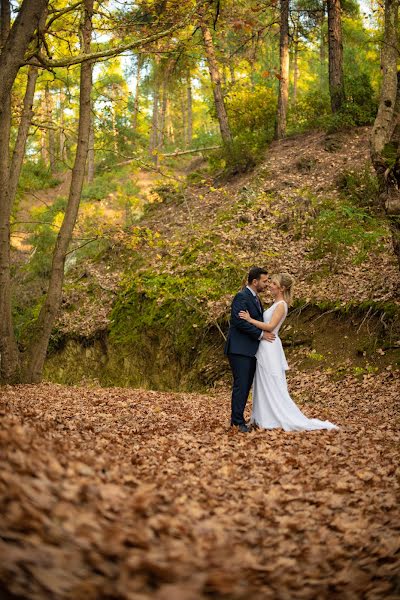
(189, 96)
(385, 136)
(170, 125)
(37, 351)
(216, 85)
(232, 74)
(154, 135)
(90, 159)
(137, 92)
(283, 96)
(62, 156)
(336, 82)
(322, 41)
(296, 70)
(164, 105)
(183, 120)
(14, 49)
(51, 142)
(44, 151)
(9, 355)
(22, 135)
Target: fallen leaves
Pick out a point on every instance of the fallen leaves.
(133, 494)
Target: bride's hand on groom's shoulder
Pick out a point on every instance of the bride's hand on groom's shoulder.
(244, 314)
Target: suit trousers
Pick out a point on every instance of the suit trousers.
(243, 369)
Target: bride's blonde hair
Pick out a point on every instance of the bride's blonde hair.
(285, 281)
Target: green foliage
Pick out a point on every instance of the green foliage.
(43, 236)
(252, 121)
(24, 316)
(252, 114)
(360, 187)
(36, 176)
(103, 184)
(170, 193)
(345, 229)
(175, 302)
(390, 154)
(313, 111)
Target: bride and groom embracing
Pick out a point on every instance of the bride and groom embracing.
(255, 352)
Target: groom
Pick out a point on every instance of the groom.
(242, 343)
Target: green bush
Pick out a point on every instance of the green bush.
(252, 122)
(361, 187)
(252, 115)
(313, 110)
(36, 176)
(102, 185)
(308, 111)
(343, 229)
(43, 236)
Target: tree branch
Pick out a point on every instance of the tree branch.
(82, 58)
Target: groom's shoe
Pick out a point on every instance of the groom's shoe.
(243, 428)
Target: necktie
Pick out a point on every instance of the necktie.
(258, 303)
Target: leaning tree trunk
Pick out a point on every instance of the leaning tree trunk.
(283, 96)
(385, 137)
(336, 81)
(37, 351)
(13, 52)
(22, 135)
(216, 85)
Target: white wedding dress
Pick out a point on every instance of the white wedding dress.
(272, 404)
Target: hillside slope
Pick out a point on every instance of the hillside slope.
(304, 209)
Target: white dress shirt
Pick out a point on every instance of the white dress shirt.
(255, 296)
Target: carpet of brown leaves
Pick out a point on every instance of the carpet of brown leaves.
(132, 494)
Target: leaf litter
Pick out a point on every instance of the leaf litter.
(135, 494)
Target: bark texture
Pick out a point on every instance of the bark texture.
(283, 95)
(14, 49)
(216, 85)
(9, 172)
(189, 97)
(23, 130)
(385, 137)
(48, 313)
(137, 92)
(9, 356)
(336, 81)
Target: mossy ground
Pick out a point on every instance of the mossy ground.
(159, 291)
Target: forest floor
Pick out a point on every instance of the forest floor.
(132, 494)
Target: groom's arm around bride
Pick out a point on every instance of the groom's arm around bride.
(242, 342)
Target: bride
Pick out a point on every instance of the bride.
(272, 404)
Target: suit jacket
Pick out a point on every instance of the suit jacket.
(243, 337)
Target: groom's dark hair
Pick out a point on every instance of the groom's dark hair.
(255, 273)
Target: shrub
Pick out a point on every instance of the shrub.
(344, 229)
(361, 187)
(36, 176)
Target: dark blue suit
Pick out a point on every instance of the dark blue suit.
(241, 347)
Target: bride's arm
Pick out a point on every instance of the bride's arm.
(276, 318)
